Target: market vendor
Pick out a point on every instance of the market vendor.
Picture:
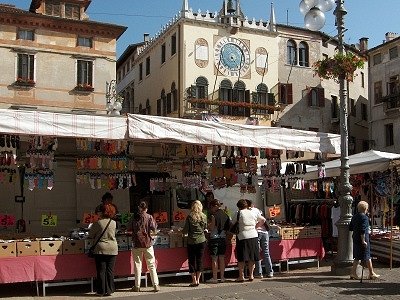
(107, 198)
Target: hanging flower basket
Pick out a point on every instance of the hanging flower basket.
(338, 66)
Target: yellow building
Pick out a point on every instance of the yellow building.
(54, 58)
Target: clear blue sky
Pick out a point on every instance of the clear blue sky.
(365, 18)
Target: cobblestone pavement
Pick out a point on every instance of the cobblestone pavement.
(309, 283)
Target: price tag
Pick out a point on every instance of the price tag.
(90, 218)
(126, 218)
(49, 220)
(161, 217)
(274, 211)
(7, 220)
(179, 216)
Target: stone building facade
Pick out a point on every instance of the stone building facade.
(219, 64)
(384, 90)
(54, 58)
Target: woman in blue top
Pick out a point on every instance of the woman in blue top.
(361, 247)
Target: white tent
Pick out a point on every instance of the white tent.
(62, 124)
(364, 162)
(164, 129)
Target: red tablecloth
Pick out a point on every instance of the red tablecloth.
(299, 248)
(79, 266)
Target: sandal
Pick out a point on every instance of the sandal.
(374, 276)
(354, 276)
(239, 280)
(251, 279)
(193, 284)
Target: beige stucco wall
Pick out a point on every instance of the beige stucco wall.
(55, 70)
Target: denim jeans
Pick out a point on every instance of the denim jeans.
(263, 239)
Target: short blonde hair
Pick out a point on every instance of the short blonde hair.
(362, 206)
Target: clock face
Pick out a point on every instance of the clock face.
(232, 57)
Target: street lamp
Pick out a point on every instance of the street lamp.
(113, 100)
(314, 20)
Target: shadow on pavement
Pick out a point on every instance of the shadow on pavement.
(366, 288)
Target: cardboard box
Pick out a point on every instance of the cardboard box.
(287, 233)
(314, 231)
(28, 248)
(73, 247)
(300, 232)
(175, 240)
(8, 249)
(50, 247)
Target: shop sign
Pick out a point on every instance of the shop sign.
(126, 217)
(161, 217)
(49, 220)
(90, 218)
(179, 216)
(274, 211)
(7, 220)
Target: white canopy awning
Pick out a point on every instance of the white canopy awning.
(364, 162)
(164, 129)
(62, 124)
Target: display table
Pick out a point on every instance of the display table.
(73, 267)
(380, 248)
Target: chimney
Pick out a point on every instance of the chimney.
(146, 37)
(364, 44)
(390, 36)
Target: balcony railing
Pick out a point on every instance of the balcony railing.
(392, 101)
(232, 106)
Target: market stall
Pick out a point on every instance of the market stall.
(71, 159)
(374, 177)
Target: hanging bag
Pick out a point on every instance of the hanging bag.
(235, 227)
(91, 249)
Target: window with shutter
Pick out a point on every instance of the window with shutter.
(26, 66)
(52, 8)
(85, 73)
(285, 93)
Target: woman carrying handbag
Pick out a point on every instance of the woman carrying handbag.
(105, 251)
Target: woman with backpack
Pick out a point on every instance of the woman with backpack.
(142, 226)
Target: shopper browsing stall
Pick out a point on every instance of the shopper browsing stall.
(195, 225)
(247, 249)
(142, 226)
(106, 250)
(262, 228)
(219, 223)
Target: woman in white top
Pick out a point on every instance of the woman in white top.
(247, 248)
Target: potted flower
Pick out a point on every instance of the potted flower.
(24, 82)
(85, 87)
(338, 66)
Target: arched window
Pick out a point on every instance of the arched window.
(314, 97)
(163, 103)
(262, 94)
(225, 94)
(174, 93)
(125, 104)
(303, 54)
(148, 109)
(291, 50)
(239, 96)
(201, 90)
